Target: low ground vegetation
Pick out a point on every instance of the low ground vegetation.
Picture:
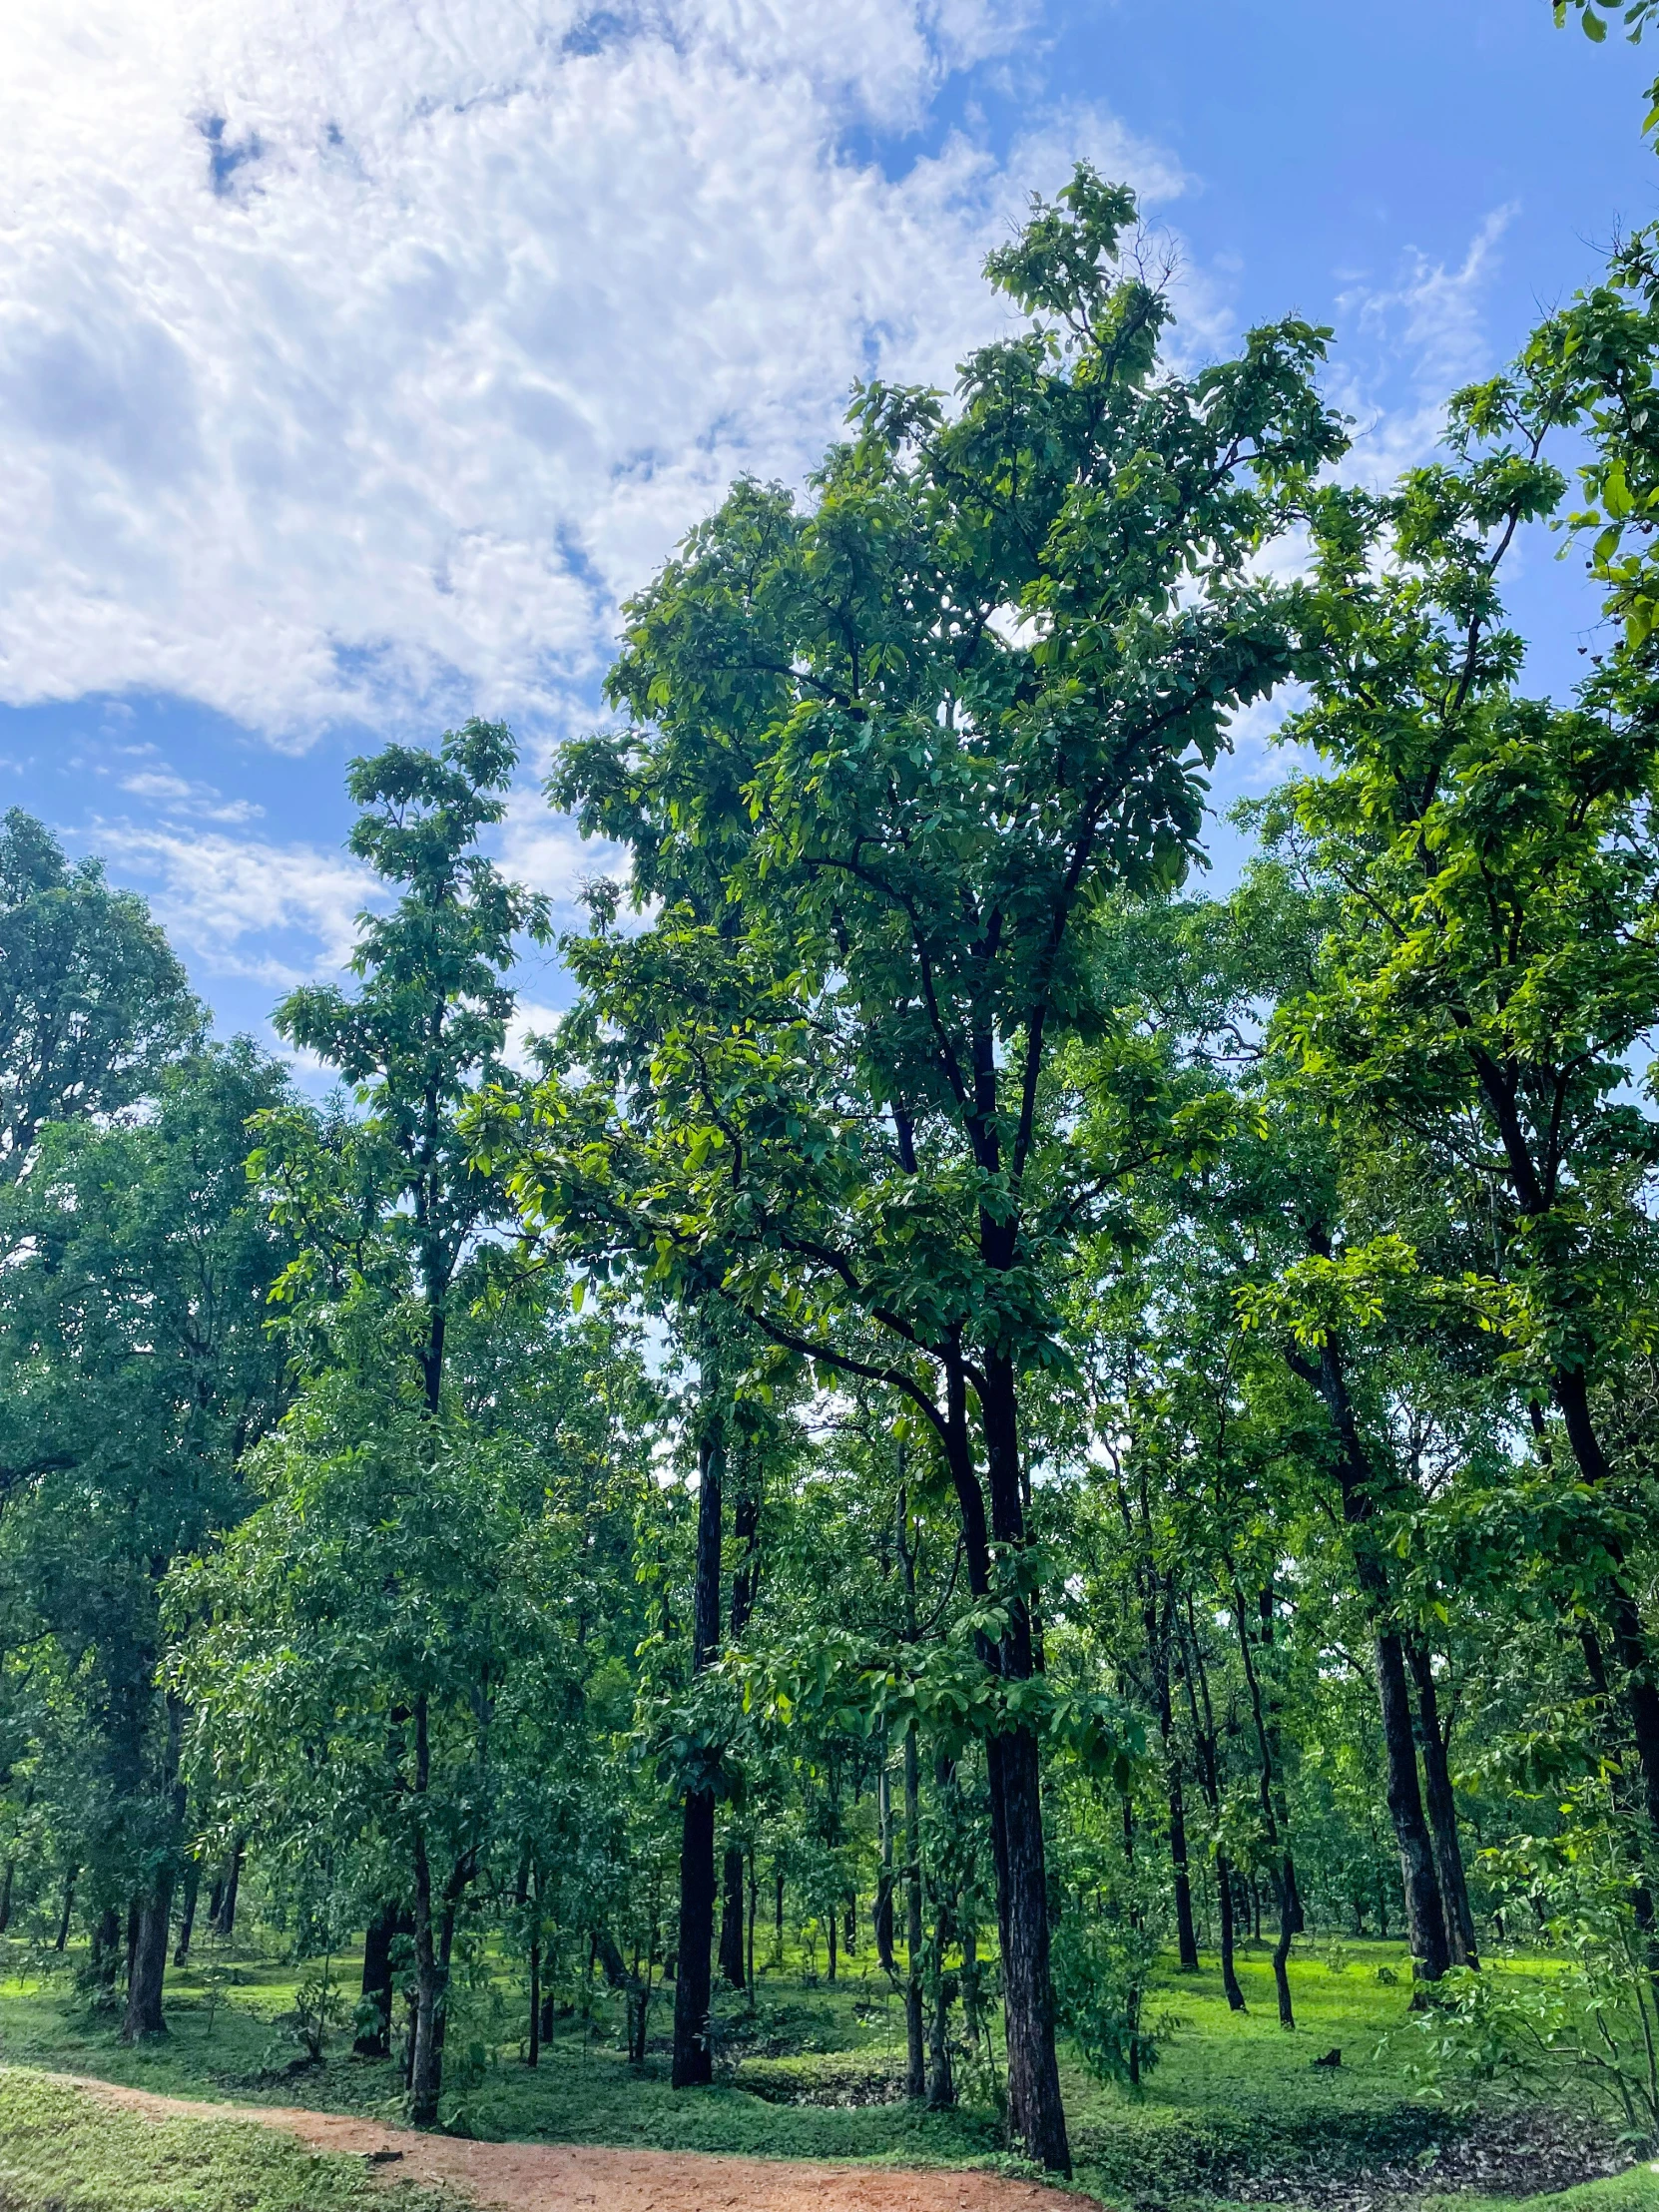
(1238, 2112)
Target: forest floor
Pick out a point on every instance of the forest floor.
(1237, 2112)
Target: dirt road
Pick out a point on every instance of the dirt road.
(560, 2177)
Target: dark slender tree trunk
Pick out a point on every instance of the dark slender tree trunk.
(1630, 1644)
(374, 2038)
(745, 1523)
(1442, 1811)
(916, 2066)
(1224, 1920)
(731, 1917)
(754, 1891)
(426, 2052)
(941, 2081)
(1283, 1874)
(1186, 1937)
(693, 2058)
(1285, 1885)
(68, 1911)
(532, 2055)
(883, 1879)
(146, 1967)
(1424, 1915)
(105, 1948)
(224, 1919)
(1036, 2115)
(6, 1881)
(187, 1922)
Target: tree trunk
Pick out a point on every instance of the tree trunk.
(1442, 1811)
(426, 2052)
(1630, 1646)
(532, 2055)
(693, 2058)
(834, 1935)
(1285, 1885)
(67, 1913)
(106, 1947)
(1185, 1935)
(1425, 1916)
(884, 1881)
(148, 1965)
(373, 2039)
(6, 1881)
(186, 1923)
(1224, 1920)
(1036, 2115)
(753, 1893)
(731, 1917)
(1284, 1874)
(915, 2066)
(224, 1919)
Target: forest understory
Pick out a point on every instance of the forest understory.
(1238, 2112)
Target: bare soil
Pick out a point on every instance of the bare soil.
(558, 2177)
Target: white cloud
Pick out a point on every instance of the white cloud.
(232, 902)
(1429, 326)
(354, 358)
(175, 795)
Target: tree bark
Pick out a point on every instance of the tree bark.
(532, 2054)
(1424, 1914)
(731, 1917)
(1442, 1811)
(1630, 1644)
(148, 1967)
(187, 1922)
(1186, 1937)
(1283, 1877)
(1036, 2115)
(374, 2040)
(224, 1919)
(882, 1916)
(67, 1913)
(693, 2063)
(753, 1893)
(916, 2066)
(1223, 1919)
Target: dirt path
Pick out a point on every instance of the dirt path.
(558, 2177)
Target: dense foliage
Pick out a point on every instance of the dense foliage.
(971, 1406)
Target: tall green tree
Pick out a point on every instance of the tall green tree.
(924, 728)
(1491, 964)
(92, 1002)
(140, 1370)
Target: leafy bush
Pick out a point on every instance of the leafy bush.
(1102, 1970)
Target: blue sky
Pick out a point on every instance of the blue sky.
(353, 364)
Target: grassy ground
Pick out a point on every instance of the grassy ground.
(60, 2149)
(1636, 2191)
(1233, 2096)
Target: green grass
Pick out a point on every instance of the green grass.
(1636, 2191)
(1234, 2095)
(63, 2151)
